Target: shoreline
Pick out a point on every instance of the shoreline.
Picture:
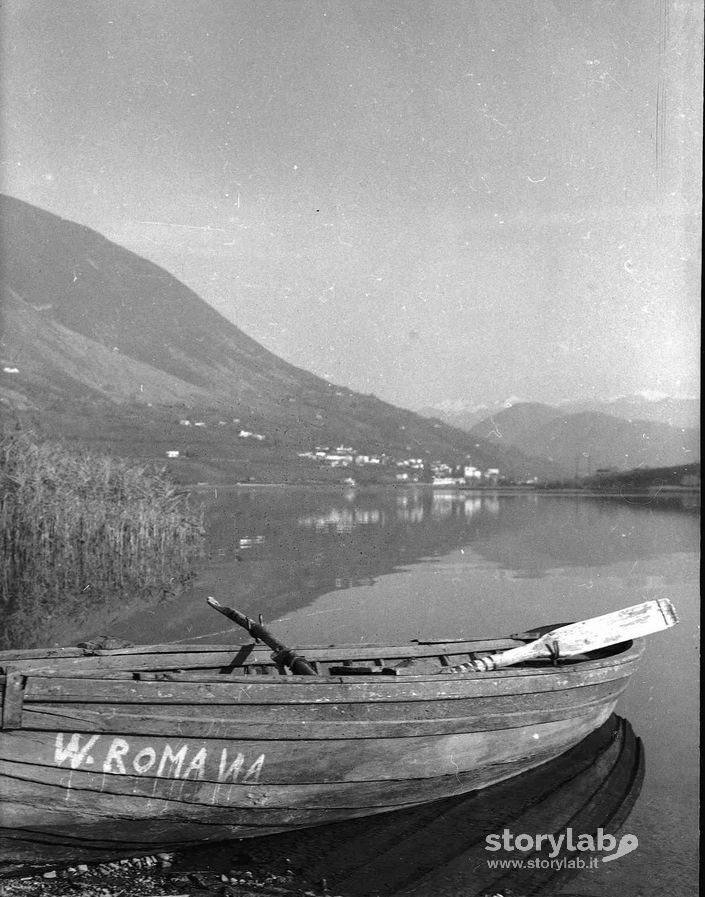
(218, 870)
(653, 492)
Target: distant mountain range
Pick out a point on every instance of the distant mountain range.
(656, 407)
(101, 346)
(583, 440)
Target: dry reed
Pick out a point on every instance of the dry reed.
(79, 528)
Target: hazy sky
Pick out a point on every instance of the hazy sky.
(424, 199)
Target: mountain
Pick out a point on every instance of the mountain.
(655, 407)
(677, 411)
(465, 415)
(509, 425)
(588, 441)
(102, 347)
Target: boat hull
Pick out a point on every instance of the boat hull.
(102, 759)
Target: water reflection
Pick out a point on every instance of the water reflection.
(322, 541)
(410, 508)
(441, 848)
(275, 551)
(343, 520)
(561, 543)
(248, 542)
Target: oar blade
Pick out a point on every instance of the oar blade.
(588, 635)
(611, 629)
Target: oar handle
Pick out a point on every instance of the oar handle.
(538, 650)
(282, 655)
(533, 651)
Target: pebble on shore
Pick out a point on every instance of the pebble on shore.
(150, 876)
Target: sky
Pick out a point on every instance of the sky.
(453, 201)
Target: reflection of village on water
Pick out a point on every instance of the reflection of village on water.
(248, 542)
(417, 507)
(410, 508)
(322, 540)
(357, 528)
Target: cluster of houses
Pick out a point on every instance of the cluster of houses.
(406, 469)
(467, 475)
(343, 456)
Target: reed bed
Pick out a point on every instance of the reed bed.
(81, 528)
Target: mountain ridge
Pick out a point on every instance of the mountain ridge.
(677, 411)
(590, 440)
(101, 345)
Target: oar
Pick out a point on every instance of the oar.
(579, 638)
(282, 655)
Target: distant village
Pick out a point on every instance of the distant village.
(404, 470)
(407, 470)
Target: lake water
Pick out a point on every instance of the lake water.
(343, 566)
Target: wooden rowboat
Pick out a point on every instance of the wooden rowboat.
(107, 752)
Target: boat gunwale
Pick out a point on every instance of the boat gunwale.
(623, 654)
(414, 646)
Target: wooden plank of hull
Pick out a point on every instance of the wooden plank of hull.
(473, 761)
(248, 811)
(165, 669)
(314, 760)
(496, 805)
(107, 816)
(304, 689)
(222, 655)
(243, 658)
(594, 796)
(72, 661)
(545, 800)
(325, 721)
